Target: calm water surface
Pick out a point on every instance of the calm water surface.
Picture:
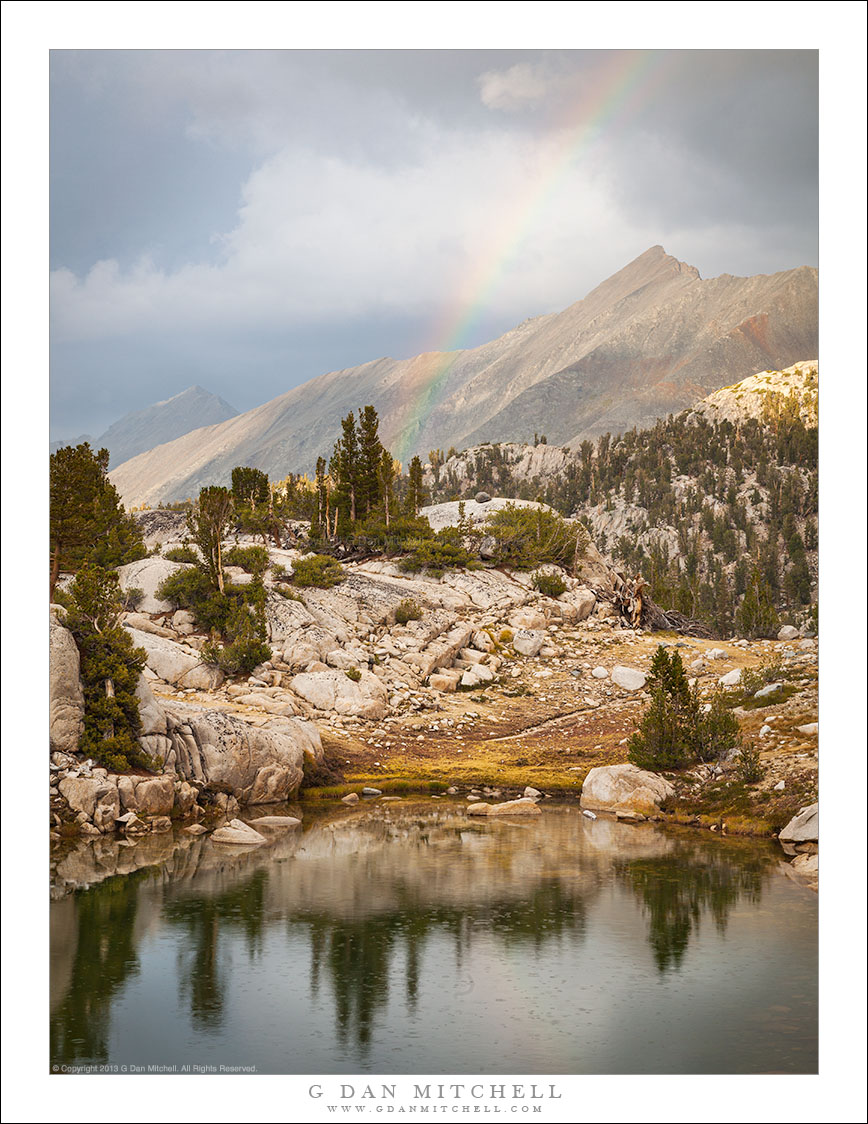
(406, 938)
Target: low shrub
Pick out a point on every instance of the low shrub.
(748, 765)
(549, 585)
(253, 559)
(132, 598)
(245, 647)
(288, 593)
(328, 770)
(408, 610)
(353, 673)
(526, 537)
(182, 554)
(443, 551)
(320, 570)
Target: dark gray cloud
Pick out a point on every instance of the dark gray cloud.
(249, 219)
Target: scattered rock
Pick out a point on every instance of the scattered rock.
(765, 692)
(780, 786)
(521, 807)
(600, 673)
(531, 792)
(237, 832)
(630, 678)
(275, 823)
(160, 824)
(527, 642)
(809, 728)
(787, 632)
(482, 497)
(196, 829)
(444, 680)
(731, 679)
(350, 798)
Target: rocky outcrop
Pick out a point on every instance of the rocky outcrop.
(65, 693)
(147, 575)
(257, 764)
(624, 788)
(175, 663)
(335, 691)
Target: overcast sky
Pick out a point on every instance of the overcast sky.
(247, 220)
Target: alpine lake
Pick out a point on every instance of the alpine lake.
(406, 937)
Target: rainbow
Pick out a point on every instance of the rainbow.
(622, 82)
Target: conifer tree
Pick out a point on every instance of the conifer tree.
(370, 462)
(208, 523)
(416, 492)
(110, 668)
(87, 520)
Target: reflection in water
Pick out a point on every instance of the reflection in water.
(333, 948)
(240, 909)
(676, 890)
(105, 957)
(359, 954)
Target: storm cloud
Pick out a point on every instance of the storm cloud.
(249, 219)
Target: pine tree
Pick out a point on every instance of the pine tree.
(207, 524)
(110, 669)
(416, 491)
(370, 462)
(87, 521)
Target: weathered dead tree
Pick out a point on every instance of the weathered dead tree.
(632, 598)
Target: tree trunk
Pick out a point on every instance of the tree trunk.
(55, 572)
(110, 694)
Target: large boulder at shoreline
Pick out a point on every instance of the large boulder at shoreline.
(257, 764)
(147, 575)
(803, 828)
(81, 793)
(624, 788)
(65, 694)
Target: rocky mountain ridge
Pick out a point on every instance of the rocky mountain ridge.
(141, 430)
(650, 340)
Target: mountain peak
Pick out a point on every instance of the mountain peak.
(141, 430)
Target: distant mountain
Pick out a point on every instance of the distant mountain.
(164, 421)
(651, 340)
(53, 446)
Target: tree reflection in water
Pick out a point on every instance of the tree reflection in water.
(358, 954)
(677, 889)
(105, 958)
(241, 908)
